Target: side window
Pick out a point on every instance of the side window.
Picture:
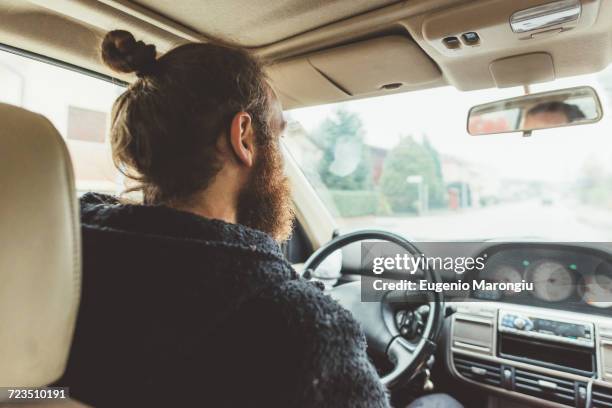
(78, 106)
(86, 125)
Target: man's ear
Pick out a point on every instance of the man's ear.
(242, 138)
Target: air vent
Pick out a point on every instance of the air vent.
(546, 387)
(478, 370)
(601, 397)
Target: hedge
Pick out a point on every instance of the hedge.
(355, 203)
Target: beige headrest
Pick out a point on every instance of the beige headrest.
(40, 260)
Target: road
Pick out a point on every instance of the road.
(529, 219)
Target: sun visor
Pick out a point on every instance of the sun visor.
(384, 63)
(522, 70)
(298, 83)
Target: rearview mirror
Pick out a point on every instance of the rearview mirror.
(565, 107)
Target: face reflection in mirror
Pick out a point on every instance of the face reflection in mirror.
(551, 114)
(564, 107)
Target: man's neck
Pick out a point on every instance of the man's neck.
(220, 198)
(211, 204)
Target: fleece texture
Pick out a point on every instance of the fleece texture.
(180, 310)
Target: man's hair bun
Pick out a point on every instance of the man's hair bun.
(122, 53)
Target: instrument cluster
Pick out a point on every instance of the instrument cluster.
(561, 275)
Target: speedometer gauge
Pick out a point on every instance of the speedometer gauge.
(552, 281)
(596, 289)
(505, 274)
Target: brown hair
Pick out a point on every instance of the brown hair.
(165, 126)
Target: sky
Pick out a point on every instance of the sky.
(441, 114)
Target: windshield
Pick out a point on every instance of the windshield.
(406, 163)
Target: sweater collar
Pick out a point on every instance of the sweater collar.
(106, 212)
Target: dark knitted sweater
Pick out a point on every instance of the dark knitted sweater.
(183, 311)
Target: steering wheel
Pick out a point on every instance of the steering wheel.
(410, 349)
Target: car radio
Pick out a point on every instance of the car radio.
(571, 332)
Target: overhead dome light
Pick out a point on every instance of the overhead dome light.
(546, 15)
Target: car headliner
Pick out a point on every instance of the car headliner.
(329, 51)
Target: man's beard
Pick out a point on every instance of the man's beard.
(265, 202)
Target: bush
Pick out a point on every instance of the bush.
(355, 203)
(410, 158)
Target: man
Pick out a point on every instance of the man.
(188, 300)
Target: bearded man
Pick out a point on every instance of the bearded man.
(187, 299)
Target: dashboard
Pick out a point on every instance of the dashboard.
(565, 276)
(562, 276)
(546, 346)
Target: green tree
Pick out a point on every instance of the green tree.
(409, 158)
(345, 164)
(436, 187)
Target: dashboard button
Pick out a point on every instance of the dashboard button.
(520, 323)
